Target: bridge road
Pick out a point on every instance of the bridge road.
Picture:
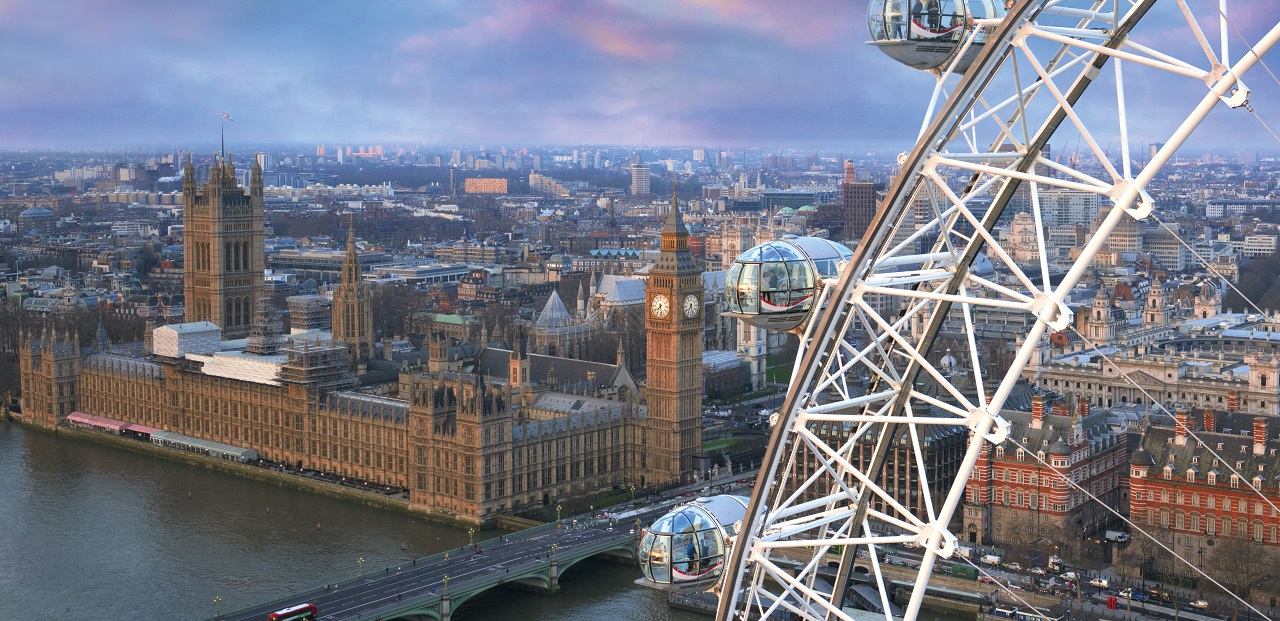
(377, 588)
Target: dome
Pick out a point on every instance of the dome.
(773, 285)
(925, 34)
(807, 209)
(786, 211)
(36, 212)
(686, 548)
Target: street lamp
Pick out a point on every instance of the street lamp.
(471, 536)
(633, 492)
(217, 603)
(360, 564)
(557, 512)
(553, 552)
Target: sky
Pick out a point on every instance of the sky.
(86, 73)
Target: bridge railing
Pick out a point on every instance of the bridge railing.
(293, 598)
(480, 584)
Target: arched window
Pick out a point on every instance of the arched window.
(1263, 379)
(244, 251)
(235, 256)
(226, 258)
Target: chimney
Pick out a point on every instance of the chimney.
(1211, 421)
(1037, 411)
(1180, 430)
(1233, 401)
(1259, 435)
(1082, 407)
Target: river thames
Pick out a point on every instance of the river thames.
(95, 532)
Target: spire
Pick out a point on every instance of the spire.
(103, 342)
(675, 224)
(351, 262)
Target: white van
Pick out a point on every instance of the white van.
(989, 559)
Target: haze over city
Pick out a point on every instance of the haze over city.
(569, 310)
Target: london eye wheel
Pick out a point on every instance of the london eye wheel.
(889, 360)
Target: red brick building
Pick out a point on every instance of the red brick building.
(1190, 499)
(1014, 498)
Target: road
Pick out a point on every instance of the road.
(379, 587)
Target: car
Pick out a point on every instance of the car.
(1014, 587)
(1039, 571)
(1069, 576)
(1140, 597)
(1014, 566)
(985, 580)
(1101, 583)
(1200, 604)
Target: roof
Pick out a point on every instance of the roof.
(496, 363)
(206, 446)
(1235, 440)
(621, 289)
(193, 327)
(554, 314)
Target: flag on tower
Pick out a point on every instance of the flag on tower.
(227, 116)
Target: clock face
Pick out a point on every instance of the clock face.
(660, 306)
(691, 306)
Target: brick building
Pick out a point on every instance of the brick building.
(1191, 500)
(1013, 498)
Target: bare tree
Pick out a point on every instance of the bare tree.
(1239, 565)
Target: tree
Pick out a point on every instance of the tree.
(1239, 565)
(391, 304)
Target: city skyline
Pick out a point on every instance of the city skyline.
(694, 72)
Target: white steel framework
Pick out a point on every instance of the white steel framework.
(868, 373)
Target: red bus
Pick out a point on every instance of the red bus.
(301, 612)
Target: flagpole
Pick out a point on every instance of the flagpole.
(222, 122)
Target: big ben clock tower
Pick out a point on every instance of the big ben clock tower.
(674, 321)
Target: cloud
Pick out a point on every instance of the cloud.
(725, 72)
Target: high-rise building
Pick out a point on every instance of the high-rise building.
(639, 179)
(859, 202)
(352, 313)
(674, 377)
(222, 248)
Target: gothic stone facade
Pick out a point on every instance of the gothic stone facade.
(466, 447)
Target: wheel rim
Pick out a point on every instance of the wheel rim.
(868, 372)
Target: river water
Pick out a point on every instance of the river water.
(95, 532)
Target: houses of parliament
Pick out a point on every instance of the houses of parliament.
(472, 432)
